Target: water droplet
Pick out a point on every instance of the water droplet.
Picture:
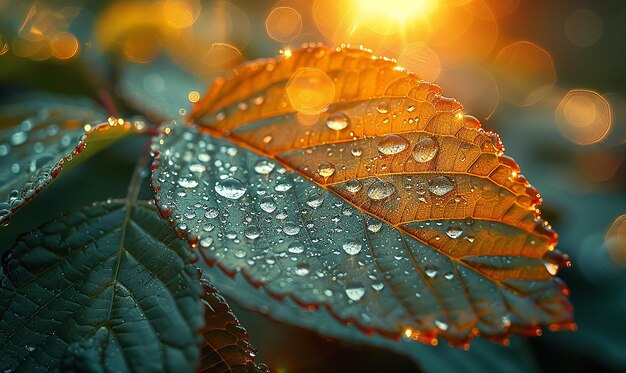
(206, 242)
(355, 291)
(337, 121)
(352, 247)
(449, 276)
(425, 150)
(211, 213)
(268, 204)
(392, 144)
(380, 190)
(18, 138)
(326, 169)
(378, 286)
(353, 185)
(291, 229)
(230, 188)
(374, 226)
(252, 232)
(441, 185)
(283, 186)
(264, 167)
(383, 108)
(295, 247)
(441, 325)
(187, 183)
(302, 269)
(410, 109)
(430, 271)
(454, 231)
(356, 151)
(315, 200)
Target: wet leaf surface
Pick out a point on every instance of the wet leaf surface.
(483, 355)
(39, 141)
(225, 346)
(100, 289)
(392, 209)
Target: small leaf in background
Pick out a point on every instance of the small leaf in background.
(40, 141)
(105, 288)
(390, 208)
(225, 346)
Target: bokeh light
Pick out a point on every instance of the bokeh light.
(615, 241)
(583, 27)
(283, 23)
(584, 117)
(474, 87)
(181, 13)
(525, 73)
(310, 90)
(64, 45)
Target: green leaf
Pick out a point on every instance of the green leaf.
(482, 357)
(105, 288)
(39, 141)
(225, 346)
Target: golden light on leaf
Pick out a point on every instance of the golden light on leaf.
(310, 90)
(615, 241)
(64, 45)
(584, 117)
(181, 13)
(283, 24)
(584, 27)
(423, 60)
(525, 73)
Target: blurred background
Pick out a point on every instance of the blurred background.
(548, 76)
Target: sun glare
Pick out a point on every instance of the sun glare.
(395, 10)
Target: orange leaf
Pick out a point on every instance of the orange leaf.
(409, 217)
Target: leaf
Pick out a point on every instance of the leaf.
(100, 289)
(39, 141)
(225, 346)
(391, 209)
(482, 357)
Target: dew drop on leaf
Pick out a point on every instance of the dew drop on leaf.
(326, 169)
(380, 190)
(337, 121)
(441, 185)
(353, 185)
(430, 271)
(268, 204)
(315, 200)
(230, 188)
(454, 231)
(264, 167)
(295, 247)
(352, 247)
(392, 144)
(425, 150)
(187, 183)
(355, 291)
